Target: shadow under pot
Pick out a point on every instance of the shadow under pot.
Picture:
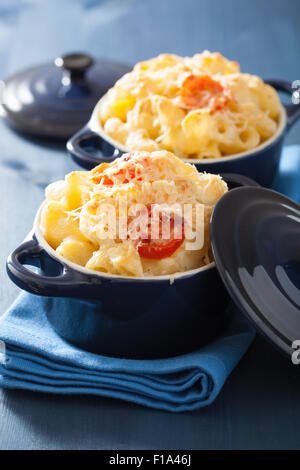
(91, 146)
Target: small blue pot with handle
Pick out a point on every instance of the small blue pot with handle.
(91, 146)
(120, 316)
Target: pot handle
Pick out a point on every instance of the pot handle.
(234, 179)
(292, 110)
(89, 149)
(58, 283)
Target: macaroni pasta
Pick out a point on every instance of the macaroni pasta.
(75, 218)
(196, 107)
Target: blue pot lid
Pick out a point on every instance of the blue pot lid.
(255, 236)
(55, 100)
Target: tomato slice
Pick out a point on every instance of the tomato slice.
(202, 91)
(153, 250)
(162, 248)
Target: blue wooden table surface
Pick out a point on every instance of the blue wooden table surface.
(259, 406)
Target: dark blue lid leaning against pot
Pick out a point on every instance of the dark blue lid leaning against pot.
(255, 236)
(55, 100)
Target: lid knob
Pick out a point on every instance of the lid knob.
(76, 64)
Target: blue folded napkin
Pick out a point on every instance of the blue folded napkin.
(38, 359)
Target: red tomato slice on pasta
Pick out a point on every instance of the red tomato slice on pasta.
(202, 91)
(162, 248)
(155, 250)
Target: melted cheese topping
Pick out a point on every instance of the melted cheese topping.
(75, 219)
(148, 108)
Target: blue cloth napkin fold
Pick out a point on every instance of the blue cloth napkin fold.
(38, 359)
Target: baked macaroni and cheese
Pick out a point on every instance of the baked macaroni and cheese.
(196, 107)
(145, 214)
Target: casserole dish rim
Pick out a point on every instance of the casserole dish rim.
(95, 126)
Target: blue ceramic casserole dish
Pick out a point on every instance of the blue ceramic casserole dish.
(125, 316)
(90, 146)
